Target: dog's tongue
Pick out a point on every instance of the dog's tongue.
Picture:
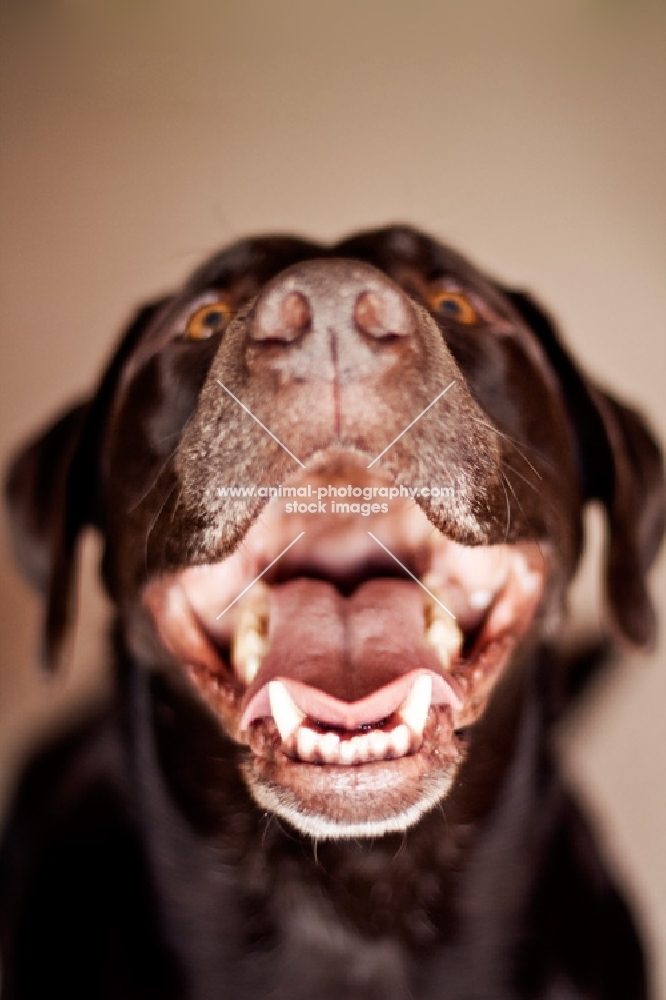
(347, 661)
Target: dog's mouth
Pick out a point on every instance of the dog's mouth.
(349, 652)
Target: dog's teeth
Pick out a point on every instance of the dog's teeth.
(414, 709)
(399, 740)
(288, 716)
(377, 744)
(250, 639)
(247, 666)
(329, 747)
(248, 652)
(445, 637)
(306, 743)
(441, 629)
(363, 748)
(360, 748)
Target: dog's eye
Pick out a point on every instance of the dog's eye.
(453, 305)
(208, 320)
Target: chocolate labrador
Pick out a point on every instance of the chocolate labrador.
(341, 492)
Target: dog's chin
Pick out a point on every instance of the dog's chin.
(369, 800)
(354, 670)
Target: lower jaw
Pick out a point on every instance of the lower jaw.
(371, 799)
(327, 801)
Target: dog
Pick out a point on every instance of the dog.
(340, 490)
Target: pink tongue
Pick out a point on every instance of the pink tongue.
(346, 661)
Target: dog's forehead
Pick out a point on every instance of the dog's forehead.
(249, 263)
(400, 244)
(252, 262)
(398, 248)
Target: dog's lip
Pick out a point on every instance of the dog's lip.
(331, 712)
(509, 577)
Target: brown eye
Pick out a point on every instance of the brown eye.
(208, 320)
(454, 305)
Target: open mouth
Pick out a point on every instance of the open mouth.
(354, 667)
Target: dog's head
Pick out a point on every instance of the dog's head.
(341, 492)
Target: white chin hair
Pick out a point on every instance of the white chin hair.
(319, 827)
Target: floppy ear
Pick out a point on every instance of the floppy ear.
(49, 500)
(52, 491)
(620, 464)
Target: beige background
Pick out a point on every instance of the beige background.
(137, 136)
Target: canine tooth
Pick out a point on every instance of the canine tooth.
(250, 637)
(399, 739)
(441, 631)
(286, 712)
(437, 632)
(248, 652)
(247, 666)
(414, 709)
(306, 743)
(445, 638)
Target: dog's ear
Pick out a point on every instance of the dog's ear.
(52, 491)
(621, 466)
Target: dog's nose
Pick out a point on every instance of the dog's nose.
(383, 312)
(331, 319)
(281, 315)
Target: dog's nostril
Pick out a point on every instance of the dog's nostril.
(282, 317)
(383, 313)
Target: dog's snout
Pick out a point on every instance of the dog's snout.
(334, 319)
